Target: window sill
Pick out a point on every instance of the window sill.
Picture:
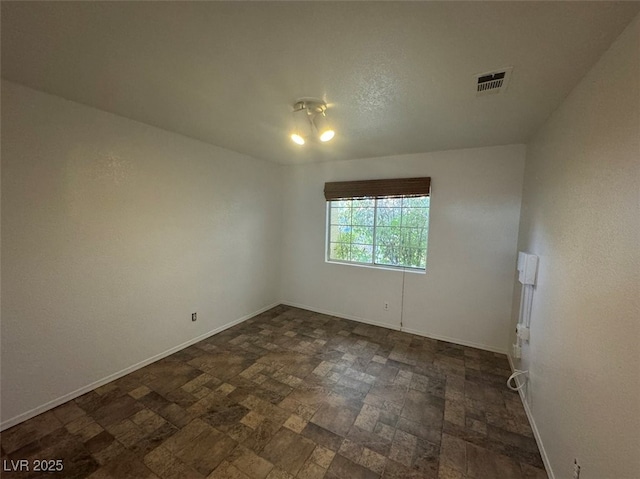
(398, 269)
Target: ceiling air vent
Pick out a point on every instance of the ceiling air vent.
(493, 82)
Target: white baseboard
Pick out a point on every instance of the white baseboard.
(112, 377)
(341, 315)
(461, 342)
(534, 428)
(396, 327)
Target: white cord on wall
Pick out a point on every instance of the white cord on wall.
(404, 270)
(514, 377)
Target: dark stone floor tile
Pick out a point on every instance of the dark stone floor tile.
(99, 442)
(464, 433)
(200, 446)
(432, 433)
(116, 410)
(78, 463)
(337, 419)
(484, 464)
(403, 448)
(153, 440)
(76, 459)
(124, 466)
(91, 401)
(68, 411)
(261, 435)
(167, 466)
(167, 382)
(530, 472)
(343, 468)
(322, 436)
(310, 395)
(29, 431)
(453, 454)
(250, 463)
(423, 408)
(271, 396)
(386, 375)
(427, 458)
(526, 457)
(390, 392)
(176, 415)
(154, 401)
(524, 443)
(228, 415)
(288, 450)
(180, 397)
(395, 470)
(58, 437)
(370, 440)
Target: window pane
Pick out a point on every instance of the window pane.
(363, 216)
(363, 203)
(362, 235)
(341, 204)
(389, 202)
(414, 257)
(362, 253)
(339, 251)
(424, 238)
(341, 216)
(414, 217)
(411, 237)
(388, 236)
(388, 216)
(387, 255)
(416, 202)
(341, 234)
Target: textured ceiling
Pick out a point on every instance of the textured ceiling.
(398, 76)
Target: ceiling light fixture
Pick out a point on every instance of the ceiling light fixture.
(311, 116)
(296, 138)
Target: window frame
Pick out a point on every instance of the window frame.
(374, 245)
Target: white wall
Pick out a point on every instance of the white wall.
(581, 215)
(465, 295)
(113, 232)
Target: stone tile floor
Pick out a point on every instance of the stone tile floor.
(293, 394)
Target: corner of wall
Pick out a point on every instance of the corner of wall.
(532, 422)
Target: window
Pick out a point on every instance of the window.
(378, 223)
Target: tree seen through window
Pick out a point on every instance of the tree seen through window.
(380, 231)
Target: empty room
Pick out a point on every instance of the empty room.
(341, 240)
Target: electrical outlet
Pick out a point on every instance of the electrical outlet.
(576, 469)
(194, 316)
(386, 306)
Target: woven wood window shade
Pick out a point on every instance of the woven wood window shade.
(341, 190)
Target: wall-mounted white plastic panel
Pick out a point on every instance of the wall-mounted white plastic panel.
(527, 267)
(522, 259)
(531, 269)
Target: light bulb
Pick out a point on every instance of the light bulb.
(297, 139)
(327, 135)
(323, 127)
